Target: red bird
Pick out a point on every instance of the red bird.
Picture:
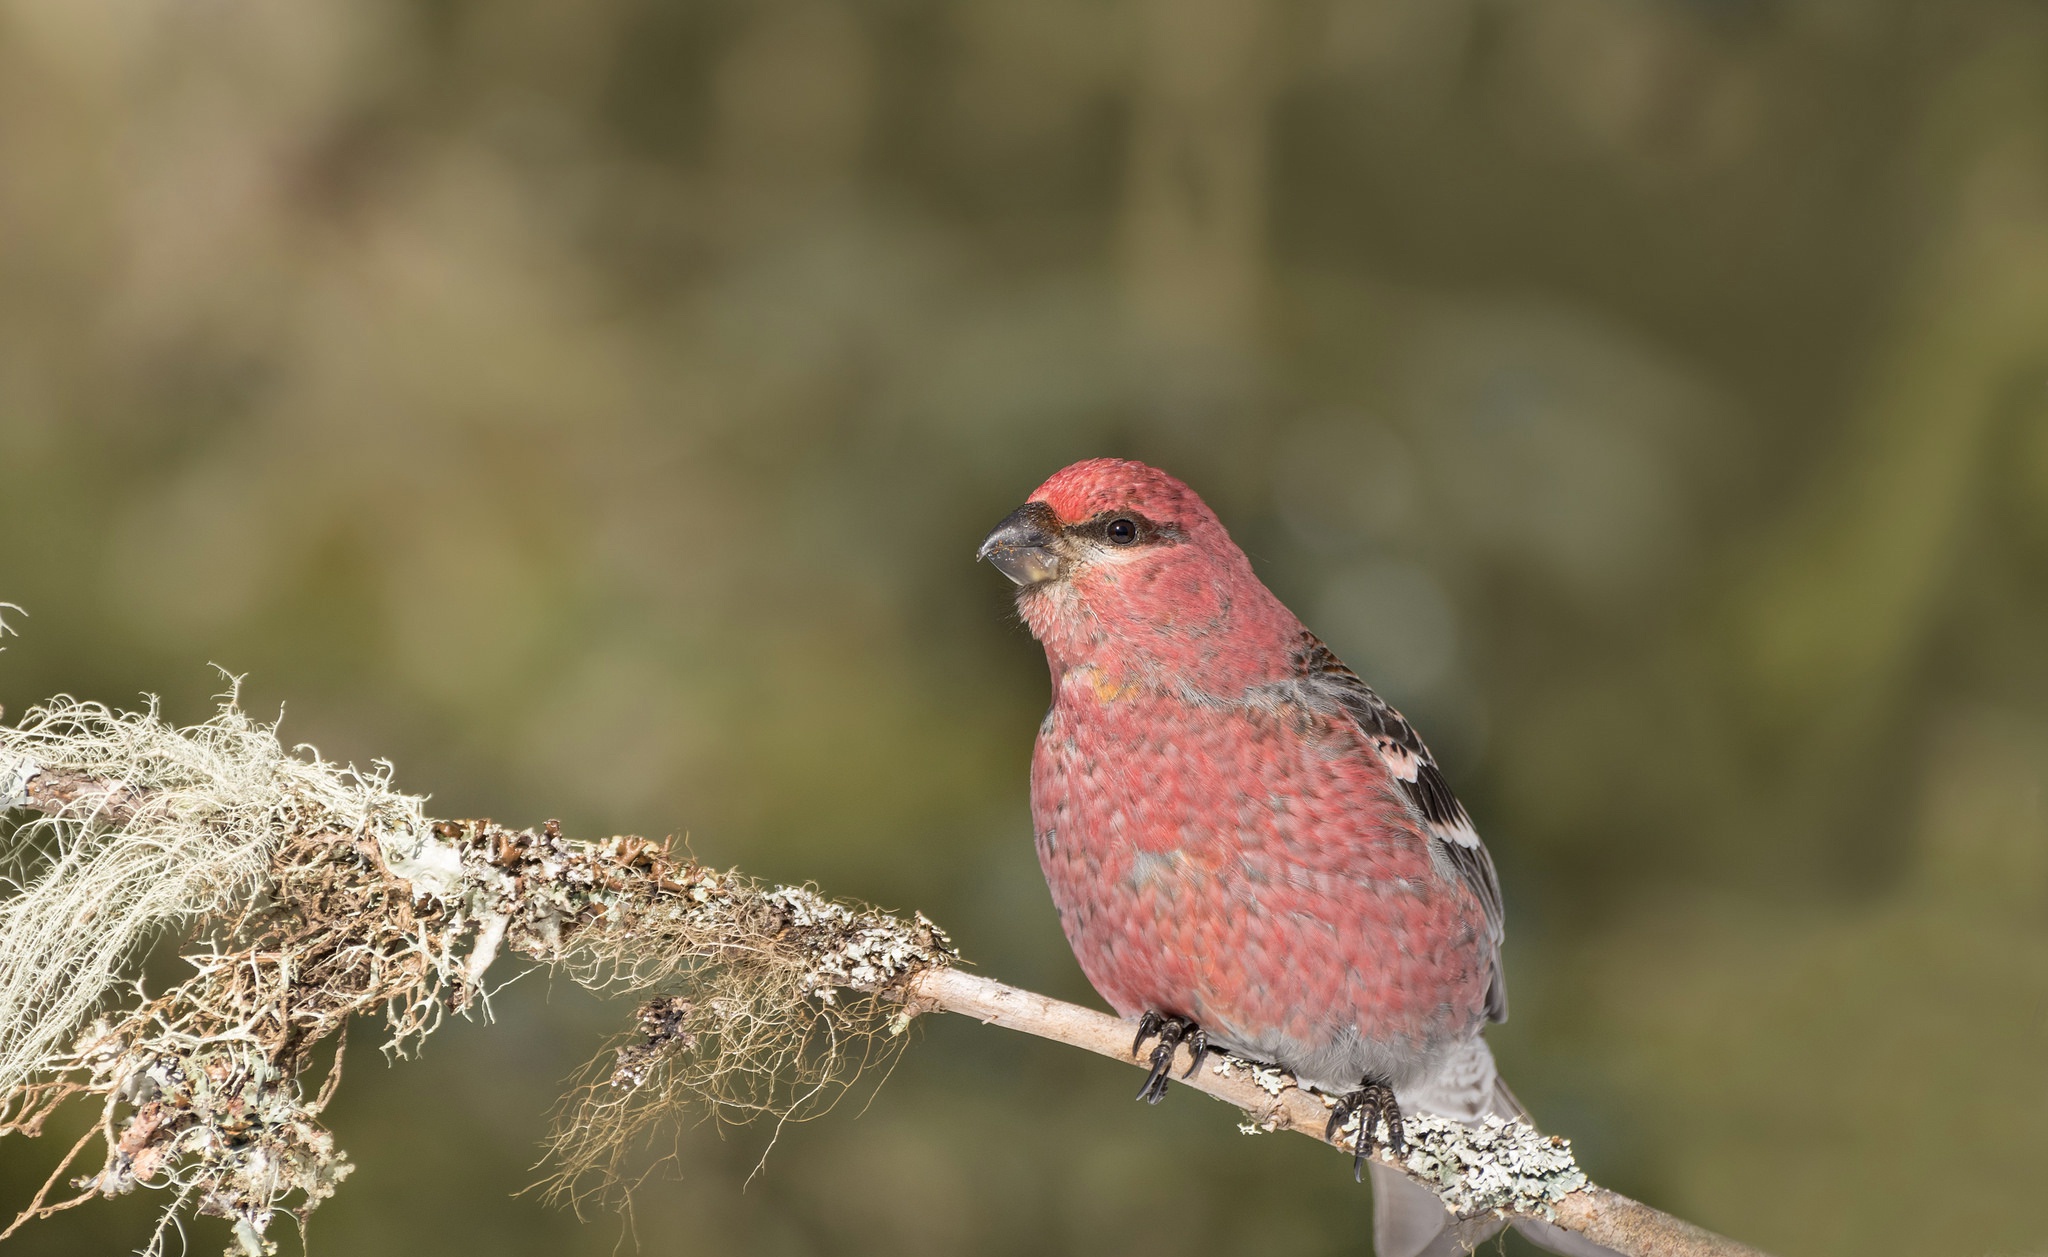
(1248, 848)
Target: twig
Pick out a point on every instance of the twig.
(36, 1209)
(1605, 1217)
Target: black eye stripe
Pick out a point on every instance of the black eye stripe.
(1123, 528)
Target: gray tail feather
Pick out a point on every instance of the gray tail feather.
(1409, 1221)
(1407, 1218)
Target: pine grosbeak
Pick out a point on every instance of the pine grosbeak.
(1248, 848)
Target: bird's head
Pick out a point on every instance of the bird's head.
(1112, 557)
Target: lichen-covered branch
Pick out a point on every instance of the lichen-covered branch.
(309, 894)
(1504, 1167)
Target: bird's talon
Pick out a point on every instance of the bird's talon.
(1148, 1025)
(1172, 1031)
(1198, 1047)
(1372, 1102)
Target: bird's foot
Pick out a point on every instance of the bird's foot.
(1171, 1031)
(1373, 1101)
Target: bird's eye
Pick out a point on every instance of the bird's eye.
(1122, 532)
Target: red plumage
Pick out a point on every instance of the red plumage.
(1239, 834)
(1219, 807)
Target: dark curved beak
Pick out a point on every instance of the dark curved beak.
(1021, 546)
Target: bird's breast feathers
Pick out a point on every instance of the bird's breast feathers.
(1133, 764)
(1197, 849)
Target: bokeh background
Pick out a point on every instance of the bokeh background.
(593, 407)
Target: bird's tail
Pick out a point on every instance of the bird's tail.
(1407, 1218)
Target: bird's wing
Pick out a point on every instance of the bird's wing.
(1409, 762)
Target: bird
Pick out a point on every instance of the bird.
(1248, 848)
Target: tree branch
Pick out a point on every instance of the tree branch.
(320, 893)
(1605, 1217)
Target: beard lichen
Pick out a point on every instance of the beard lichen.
(311, 893)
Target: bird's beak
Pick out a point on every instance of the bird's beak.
(1021, 546)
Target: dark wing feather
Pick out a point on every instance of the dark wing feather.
(1411, 764)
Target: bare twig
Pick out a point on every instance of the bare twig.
(319, 893)
(36, 1208)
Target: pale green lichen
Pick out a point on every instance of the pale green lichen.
(1270, 1079)
(318, 892)
(1491, 1166)
(188, 832)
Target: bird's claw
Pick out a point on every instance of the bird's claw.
(1171, 1031)
(1372, 1102)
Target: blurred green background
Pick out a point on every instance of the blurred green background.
(594, 408)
